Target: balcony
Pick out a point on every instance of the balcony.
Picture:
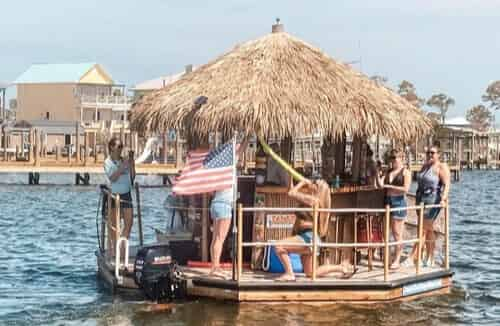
(113, 125)
(116, 103)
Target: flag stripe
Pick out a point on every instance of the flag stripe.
(206, 171)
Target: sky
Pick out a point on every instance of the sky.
(449, 46)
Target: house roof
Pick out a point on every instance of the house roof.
(57, 73)
(457, 121)
(159, 82)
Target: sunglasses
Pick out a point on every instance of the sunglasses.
(119, 146)
(431, 152)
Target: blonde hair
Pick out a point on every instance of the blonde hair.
(325, 202)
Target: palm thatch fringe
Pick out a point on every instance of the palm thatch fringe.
(279, 86)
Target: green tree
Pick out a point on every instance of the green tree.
(408, 91)
(480, 117)
(442, 102)
(492, 95)
(435, 117)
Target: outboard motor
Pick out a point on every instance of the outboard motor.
(158, 275)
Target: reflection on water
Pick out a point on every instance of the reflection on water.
(49, 237)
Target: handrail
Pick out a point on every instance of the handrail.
(385, 244)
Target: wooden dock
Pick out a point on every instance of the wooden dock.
(93, 168)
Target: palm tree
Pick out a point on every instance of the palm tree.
(442, 102)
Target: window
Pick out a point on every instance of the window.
(67, 139)
(98, 115)
(47, 115)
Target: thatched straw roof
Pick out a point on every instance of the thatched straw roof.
(279, 86)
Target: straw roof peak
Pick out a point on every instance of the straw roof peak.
(279, 86)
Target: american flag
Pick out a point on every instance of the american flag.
(206, 171)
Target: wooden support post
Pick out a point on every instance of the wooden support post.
(30, 154)
(420, 230)
(315, 242)
(37, 148)
(447, 236)
(4, 143)
(355, 252)
(139, 216)
(77, 142)
(117, 222)
(17, 152)
(204, 228)
(239, 245)
(122, 135)
(178, 150)
(165, 152)
(94, 147)
(58, 152)
(109, 219)
(386, 242)
(85, 148)
(369, 227)
(22, 146)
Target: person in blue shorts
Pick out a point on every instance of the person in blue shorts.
(433, 188)
(397, 182)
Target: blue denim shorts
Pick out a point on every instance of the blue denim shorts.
(307, 236)
(397, 202)
(429, 199)
(220, 210)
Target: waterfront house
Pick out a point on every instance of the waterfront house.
(55, 97)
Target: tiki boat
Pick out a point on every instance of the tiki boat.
(278, 87)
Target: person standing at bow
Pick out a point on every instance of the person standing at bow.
(120, 172)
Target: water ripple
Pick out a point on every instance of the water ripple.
(48, 241)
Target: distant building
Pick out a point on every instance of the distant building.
(148, 86)
(3, 106)
(54, 97)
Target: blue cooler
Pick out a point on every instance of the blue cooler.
(272, 264)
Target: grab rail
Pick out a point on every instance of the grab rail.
(314, 243)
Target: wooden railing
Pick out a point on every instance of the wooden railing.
(386, 244)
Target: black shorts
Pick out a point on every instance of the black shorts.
(125, 201)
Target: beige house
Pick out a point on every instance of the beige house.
(55, 97)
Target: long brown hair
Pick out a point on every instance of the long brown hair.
(325, 202)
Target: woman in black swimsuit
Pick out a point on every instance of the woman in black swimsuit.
(397, 183)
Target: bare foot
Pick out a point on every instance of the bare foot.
(217, 272)
(348, 271)
(285, 278)
(395, 265)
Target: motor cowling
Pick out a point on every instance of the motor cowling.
(158, 275)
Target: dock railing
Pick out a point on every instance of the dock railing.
(386, 244)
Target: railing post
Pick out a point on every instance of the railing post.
(204, 227)
(386, 242)
(355, 254)
(117, 224)
(447, 236)
(315, 241)
(239, 245)
(139, 216)
(420, 230)
(109, 224)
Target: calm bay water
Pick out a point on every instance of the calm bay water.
(48, 270)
